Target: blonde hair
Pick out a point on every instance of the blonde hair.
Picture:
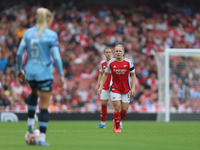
(42, 15)
(119, 45)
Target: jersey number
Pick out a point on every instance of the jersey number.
(128, 95)
(34, 48)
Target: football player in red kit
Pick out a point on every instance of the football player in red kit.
(121, 90)
(105, 95)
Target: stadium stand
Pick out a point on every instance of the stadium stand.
(84, 31)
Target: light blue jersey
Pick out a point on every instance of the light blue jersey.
(39, 66)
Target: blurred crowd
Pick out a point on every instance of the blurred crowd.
(84, 32)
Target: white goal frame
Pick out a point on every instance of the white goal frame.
(176, 52)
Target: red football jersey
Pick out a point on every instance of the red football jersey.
(120, 72)
(107, 83)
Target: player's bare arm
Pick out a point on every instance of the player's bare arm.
(21, 76)
(105, 75)
(133, 76)
(98, 81)
(61, 80)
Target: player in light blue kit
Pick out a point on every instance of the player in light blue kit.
(40, 42)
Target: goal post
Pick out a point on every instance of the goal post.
(165, 75)
(167, 100)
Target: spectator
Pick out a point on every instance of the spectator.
(90, 47)
(21, 15)
(75, 107)
(99, 45)
(148, 50)
(119, 29)
(152, 81)
(102, 13)
(174, 21)
(161, 25)
(189, 36)
(10, 44)
(108, 30)
(11, 16)
(66, 16)
(3, 62)
(20, 31)
(11, 64)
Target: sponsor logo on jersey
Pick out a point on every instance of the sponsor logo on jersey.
(114, 97)
(119, 71)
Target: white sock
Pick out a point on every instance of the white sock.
(31, 121)
(120, 123)
(42, 137)
(103, 122)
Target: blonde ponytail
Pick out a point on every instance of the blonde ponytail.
(42, 14)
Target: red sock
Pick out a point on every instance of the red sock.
(103, 112)
(117, 116)
(123, 115)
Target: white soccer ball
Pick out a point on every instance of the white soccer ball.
(32, 138)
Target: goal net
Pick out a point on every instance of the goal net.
(179, 82)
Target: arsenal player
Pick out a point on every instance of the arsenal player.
(120, 68)
(105, 95)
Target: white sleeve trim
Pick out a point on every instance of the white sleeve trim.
(23, 42)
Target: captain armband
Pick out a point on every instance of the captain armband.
(130, 69)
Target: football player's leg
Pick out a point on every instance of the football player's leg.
(105, 96)
(124, 110)
(44, 116)
(117, 114)
(103, 114)
(32, 105)
(125, 105)
(116, 100)
(104, 104)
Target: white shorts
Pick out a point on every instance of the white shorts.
(125, 98)
(105, 95)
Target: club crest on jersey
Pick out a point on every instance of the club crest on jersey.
(114, 67)
(125, 65)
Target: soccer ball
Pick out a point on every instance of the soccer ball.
(32, 138)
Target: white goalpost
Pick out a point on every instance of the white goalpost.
(171, 96)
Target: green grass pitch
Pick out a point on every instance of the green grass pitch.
(82, 135)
